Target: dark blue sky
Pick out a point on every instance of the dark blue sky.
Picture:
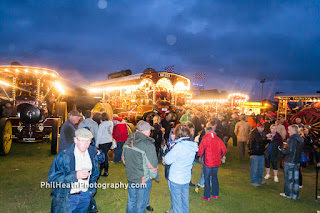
(234, 42)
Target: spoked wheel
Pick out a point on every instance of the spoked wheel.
(310, 117)
(5, 136)
(54, 137)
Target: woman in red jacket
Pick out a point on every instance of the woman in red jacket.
(213, 148)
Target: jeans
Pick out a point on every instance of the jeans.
(118, 152)
(79, 203)
(291, 174)
(179, 197)
(213, 172)
(148, 195)
(256, 168)
(137, 198)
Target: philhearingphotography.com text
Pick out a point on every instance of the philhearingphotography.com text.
(119, 185)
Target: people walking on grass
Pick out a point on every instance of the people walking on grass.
(272, 152)
(242, 131)
(212, 149)
(104, 141)
(233, 123)
(77, 166)
(180, 169)
(120, 135)
(292, 154)
(257, 144)
(140, 159)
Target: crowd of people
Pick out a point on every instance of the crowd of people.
(196, 136)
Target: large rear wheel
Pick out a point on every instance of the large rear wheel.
(5, 136)
(55, 136)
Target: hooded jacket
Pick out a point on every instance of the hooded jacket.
(292, 152)
(91, 124)
(213, 149)
(181, 158)
(140, 158)
(186, 117)
(63, 171)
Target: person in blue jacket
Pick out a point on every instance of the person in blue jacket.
(181, 158)
(73, 175)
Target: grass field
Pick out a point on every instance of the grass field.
(28, 164)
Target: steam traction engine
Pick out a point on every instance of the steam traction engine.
(37, 112)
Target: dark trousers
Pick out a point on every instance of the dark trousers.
(105, 148)
(234, 139)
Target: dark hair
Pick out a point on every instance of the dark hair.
(190, 125)
(209, 129)
(182, 131)
(214, 122)
(104, 116)
(87, 114)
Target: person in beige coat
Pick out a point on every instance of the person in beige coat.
(242, 131)
(281, 130)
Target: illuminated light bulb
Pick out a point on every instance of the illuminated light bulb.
(44, 72)
(53, 75)
(26, 70)
(16, 70)
(36, 71)
(7, 70)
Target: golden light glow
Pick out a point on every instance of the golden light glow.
(4, 83)
(59, 87)
(36, 71)
(44, 72)
(6, 69)
(165, 83)
(181, 87)
(26, 70)
(16, 70)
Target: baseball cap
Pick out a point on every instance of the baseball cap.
(83, 133)
(143, 125)
(260, 125)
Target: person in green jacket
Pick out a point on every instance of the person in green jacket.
(141, 162)
(186, 117)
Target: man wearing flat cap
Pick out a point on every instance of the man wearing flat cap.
(140, 158)
(257, 144)
(73, 175)
(67, 130)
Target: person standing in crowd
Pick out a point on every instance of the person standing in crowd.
(196, 122)
(257, 144)
(185, 117)
(120, 134)
(292, 154)
(298, 122)
(67, 130)
(104, 141)
(180, 169)
(165, 123)
(272, 152)
(233, 123)
(267, 125)
(226, 136)
(281, 130)
(285, 124)
(242, 131)
(91, 124)
(219, 128)
(213, 148)
(97, 117)
(140, 159)
(76, 165)
(157, 134)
